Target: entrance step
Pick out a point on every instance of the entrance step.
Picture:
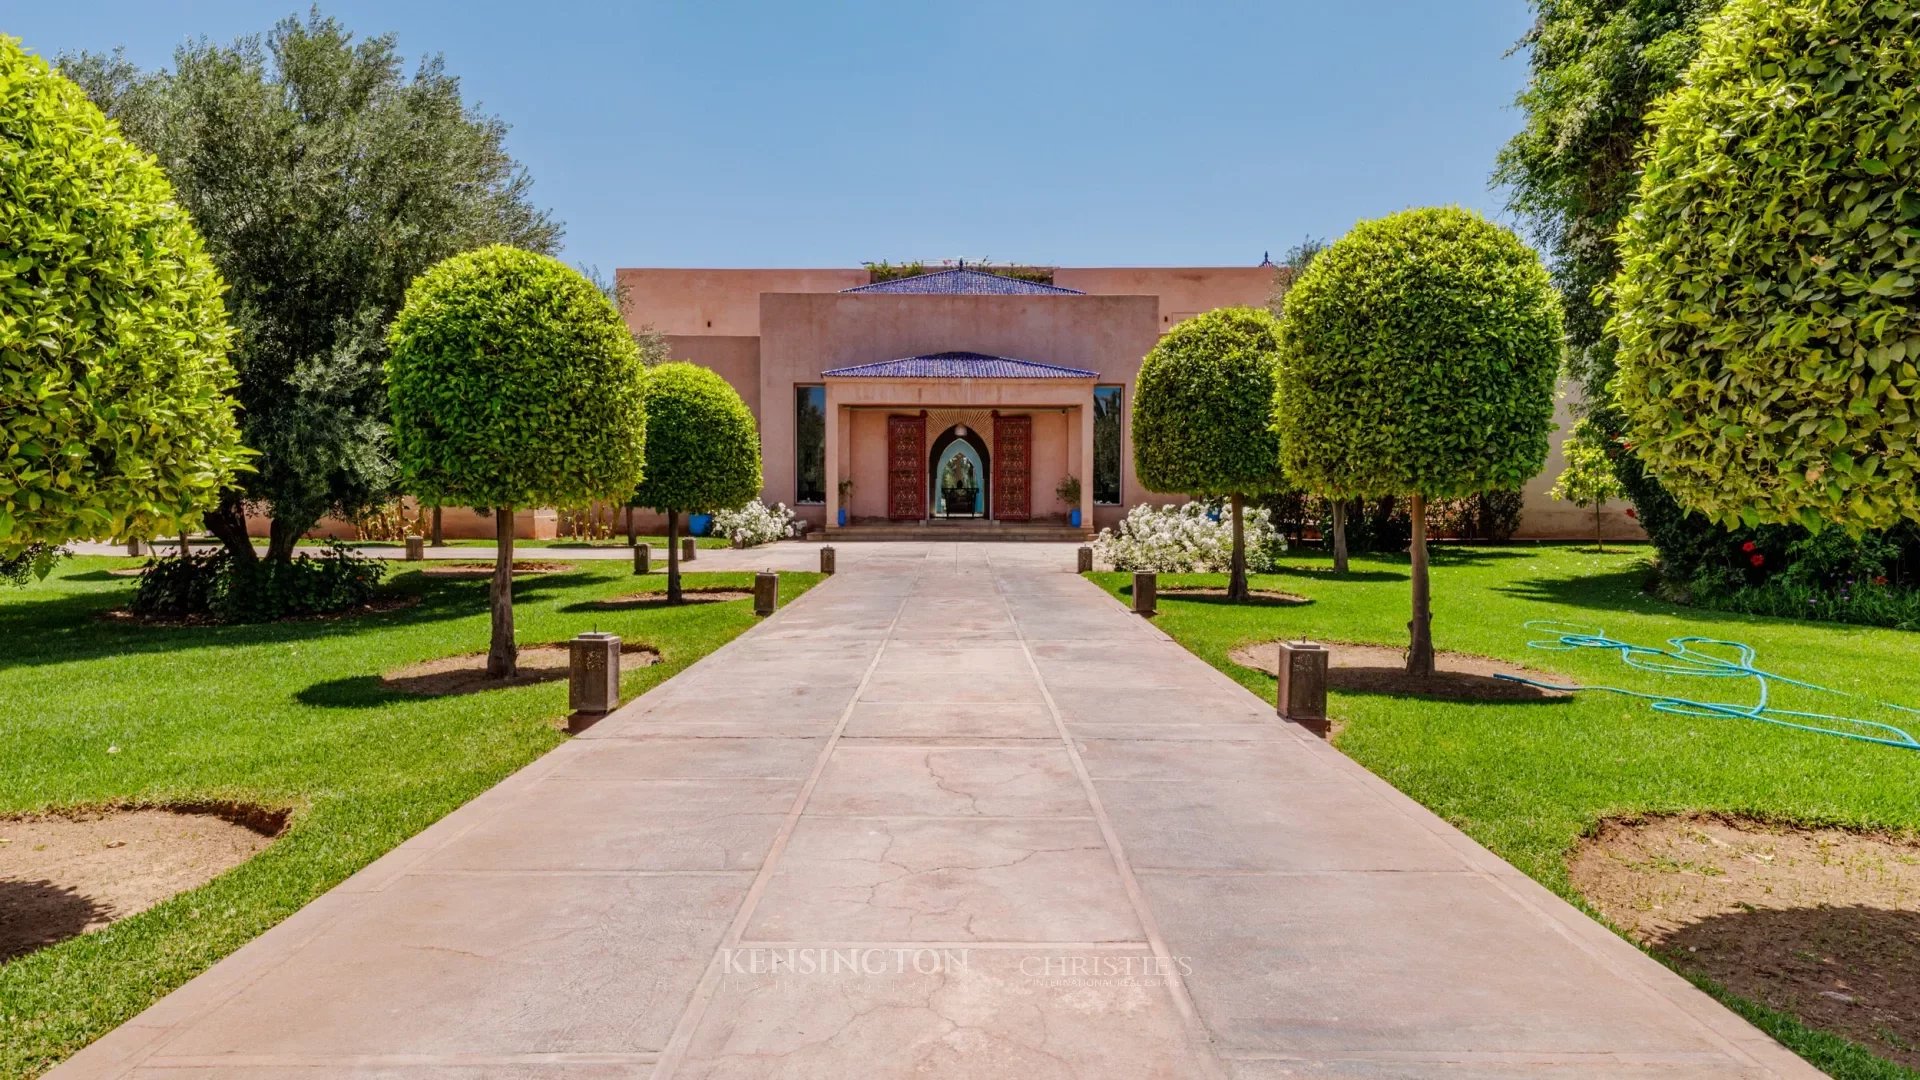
(959, 531)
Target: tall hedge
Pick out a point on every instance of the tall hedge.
(703, 451)
(1767, 309)
(115, 418)
(514, 384)
(1202, 415)
(1418, 358)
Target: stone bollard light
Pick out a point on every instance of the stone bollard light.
(1086, 559)
(593, 672)
(826, 559)
(416, 548)
(1146, 591)
(136, 547)
(1302, 694)
(766, 592)
(687, 548)
(642, 558)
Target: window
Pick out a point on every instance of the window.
(810, 443)
(1106, 445)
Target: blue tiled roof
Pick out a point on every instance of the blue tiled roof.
(959, 365)
(963, 280)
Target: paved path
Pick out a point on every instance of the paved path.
(953, 813)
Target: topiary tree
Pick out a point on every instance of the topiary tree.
(513, 383)
(1202, 416)
(1766, 307)
(115, 418)
(1589, 479)
(703, 451)
(1419, 357)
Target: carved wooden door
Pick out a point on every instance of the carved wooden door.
(907, 468)
(1012, 467)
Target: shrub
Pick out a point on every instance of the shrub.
(1190, 538)
(1589, 479)
(1202, 414)
(703, 451)
(1419, 357)
(115, 418)
(514, 383)
(754, 524)
(216, 585)
(1766, 306)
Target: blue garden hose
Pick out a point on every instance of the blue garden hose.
(1683, 657)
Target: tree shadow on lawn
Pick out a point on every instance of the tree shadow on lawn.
(74, 627)
(1327, 573)
(35, 914)
(1844, 969)
(1619, 590)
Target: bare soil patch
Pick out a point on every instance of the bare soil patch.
(73, 873)
(470, 571)
(707, 594)
(1820, 923)
(1273, 597)
(467, 673)
(1378, 669)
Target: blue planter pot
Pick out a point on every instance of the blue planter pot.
(699, 524)
(843, 517)
(1074, 519)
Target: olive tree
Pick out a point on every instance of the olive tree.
(513, 384)
(703, 451)
(1202, 415)
(326, 172)
(1767, 306)
(115, 418)
(1419, 355)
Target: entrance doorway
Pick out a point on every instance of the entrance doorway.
(958, 474)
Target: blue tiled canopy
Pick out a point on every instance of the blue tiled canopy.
(959, 365)
(963, 280)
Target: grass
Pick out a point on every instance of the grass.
(288, 715)
(1529, 779)
(659, 543)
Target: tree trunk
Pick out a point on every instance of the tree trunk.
(1339, 536)
(186, 547)
(1599, 529)
(503, 656)
(282, 537)
(439, 535)
(1420, 652)
(673, 556)
(228, 523)
(633, 538)
(1237, 576)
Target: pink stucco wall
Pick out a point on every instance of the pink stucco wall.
(1184, 291)
(722, 302)
(804, 334)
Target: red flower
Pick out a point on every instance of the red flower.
(1632, 513)
(1758, 560)
(1881, 580)
(1748, 546)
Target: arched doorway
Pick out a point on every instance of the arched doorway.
(957, 474)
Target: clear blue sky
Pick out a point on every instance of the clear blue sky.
(825, 134)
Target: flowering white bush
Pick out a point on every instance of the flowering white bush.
(753, 524)
(1194, 538)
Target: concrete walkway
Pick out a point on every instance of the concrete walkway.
(953, 813)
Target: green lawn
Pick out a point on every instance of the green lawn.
(659, 543)
(1528, 779)
(286, 715)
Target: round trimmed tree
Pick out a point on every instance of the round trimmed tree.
(1419, 357)
(1768, 302)
(1202, 420)
(703, 451)
(514, 384)
(115, 418)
